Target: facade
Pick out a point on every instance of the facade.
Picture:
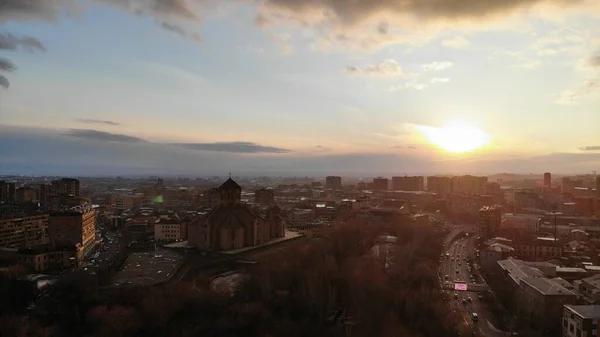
(547, 179)
(441, 186)
(416, 183)
(172, 229)
(265, 196)
(490, 218)
(493, 189)
(48, 257)
(380, 184)
(24, 231)
(301, 216)
(67, 186)
(543, 299)
(519, 224)
(333, 182)
(597, 187)
(7, 191)
(581, 320)
(469, 184)
(25, 194)
(233, 225)
(538, 249)
(76, 226)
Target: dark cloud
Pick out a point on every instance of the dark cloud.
(594, 61)
(234, 147)
(31, 9)
(96, 121)
(4, 82)
(180, 31)
(590, 148)
(9, 41)
(102, 136)
(351, 12)
(6, 65)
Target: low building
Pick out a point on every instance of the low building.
(581, 320)
(169, 229)
(45, 258)
(538, 249)
(542, 300)
(298, 217)
(589, 287)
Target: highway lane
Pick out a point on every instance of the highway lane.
(456, 268)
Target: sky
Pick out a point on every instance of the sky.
(291, 86)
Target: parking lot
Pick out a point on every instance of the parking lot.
(148, 268)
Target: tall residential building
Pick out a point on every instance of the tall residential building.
(264, 196)
(44, 193)
(547, 179)
(68, 186)
(469, 184)
(416, 183)
(581, 320)
(568, 186)
(490, 218)
(26, 194)
(333, 182)
(441, 186)
(24, 231)
(7, 191)
(380, 184)
(493, 189)
(76, 226)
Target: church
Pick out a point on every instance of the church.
(233, 224)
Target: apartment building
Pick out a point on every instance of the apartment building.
(581, 320)
(24, 231)
(169, 229)
(76, 226)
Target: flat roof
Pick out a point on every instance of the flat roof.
(585, 311)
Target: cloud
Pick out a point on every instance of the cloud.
(456, 42)
(171, 27)
(96, 121)
(387, 68)
(234, 147)
(102, 136)
(20, 10)
(4, 82)
(590, 148)
(594, 61)
(11, 42)
(437, 66)
(585, 90)
(439, 80)
(6, 65)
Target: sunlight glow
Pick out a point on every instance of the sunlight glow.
(456, 137)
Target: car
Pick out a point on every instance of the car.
(469, 299)
(446, 277)
(457, 271)
(455, 295)
(480, 296)
(475, 317)
(464, 302)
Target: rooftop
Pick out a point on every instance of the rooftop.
(585, 311)
(547, 287)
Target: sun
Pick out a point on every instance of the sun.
(456, 137)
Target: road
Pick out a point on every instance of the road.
(456, 268)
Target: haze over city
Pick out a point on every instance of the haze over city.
(201, 87)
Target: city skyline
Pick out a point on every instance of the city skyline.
(284, 86)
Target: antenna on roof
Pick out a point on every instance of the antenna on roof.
(229, 175)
